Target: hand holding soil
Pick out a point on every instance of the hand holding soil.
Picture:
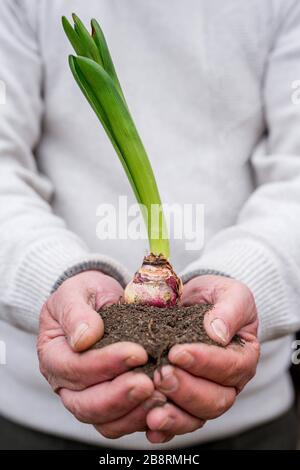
(205, 373)
(204, 379)
(97, 385)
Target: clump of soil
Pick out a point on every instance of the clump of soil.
(156, 329)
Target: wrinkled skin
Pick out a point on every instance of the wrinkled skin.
(98, 386)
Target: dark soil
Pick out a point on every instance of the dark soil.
(156, 329)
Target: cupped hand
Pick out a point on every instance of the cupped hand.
(203, 380)
(97, 386)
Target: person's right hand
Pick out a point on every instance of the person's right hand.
(97, 386)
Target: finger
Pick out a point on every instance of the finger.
(108, 401)
(63, 368)
(172, 420)
(233, 312)
(158, 437)
(234, 308)
(80, 323)
(135, 421)
(199, 290)
(199, 397)
(232, 366)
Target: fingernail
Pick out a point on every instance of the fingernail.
(154, 402)
(166, 424)
(79, 332)
(220, 329)
(183, 358)
(168, 381)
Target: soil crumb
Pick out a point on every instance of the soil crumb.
(156, 329)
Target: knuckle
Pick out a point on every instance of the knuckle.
(44, 316)
(49, 305)
(43, 370)
(75, 406)
(233, 372)
(249, 300)
(67, 314)
(252, 370)
(242, 290)
(237, 370)
(247, 371)
(72, 375)
(200, 291)
(60, 372)
(251, 373)
(256, 349)
(53, 382)
(222, 404)
(249, 295)
(46, 370)
(44, 311)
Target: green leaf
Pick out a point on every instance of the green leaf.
(99, 83)
(86, 39)
(73, 37)
(92, 99)
(107, 62)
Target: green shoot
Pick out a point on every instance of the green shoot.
(95, 74)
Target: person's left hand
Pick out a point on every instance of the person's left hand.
(204, 379)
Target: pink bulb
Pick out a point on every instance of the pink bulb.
(155, 283)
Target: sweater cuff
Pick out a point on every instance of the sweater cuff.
(253, 263)
(94, 263)
(188, 276)
(45, 266)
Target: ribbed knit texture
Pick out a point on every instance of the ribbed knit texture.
(44, 268)
(186, 277)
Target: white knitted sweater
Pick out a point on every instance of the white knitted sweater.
(213, 89)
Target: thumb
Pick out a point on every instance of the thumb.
(86, 327)
(81, 324)
(229, 315)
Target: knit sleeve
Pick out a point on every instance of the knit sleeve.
(36, 247)
(263, 248)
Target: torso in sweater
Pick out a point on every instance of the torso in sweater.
(193, 74)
